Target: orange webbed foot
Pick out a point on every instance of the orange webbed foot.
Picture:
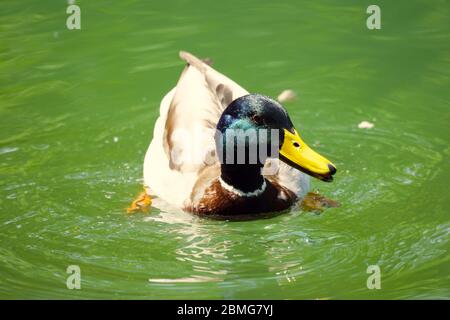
(141, 203)
(315, 202)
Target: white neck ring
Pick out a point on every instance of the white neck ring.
(241, 193)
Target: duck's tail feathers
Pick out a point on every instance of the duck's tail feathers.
(225, 89)
(193, 61)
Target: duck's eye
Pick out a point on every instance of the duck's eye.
(296, 144)
(257, 119)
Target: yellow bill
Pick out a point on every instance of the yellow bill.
(299, 155)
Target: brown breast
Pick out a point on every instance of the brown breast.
(218, 201)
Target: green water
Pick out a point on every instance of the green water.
(77, 110)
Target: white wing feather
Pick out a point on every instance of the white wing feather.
(193, 107)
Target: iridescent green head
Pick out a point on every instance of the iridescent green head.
(255, 127)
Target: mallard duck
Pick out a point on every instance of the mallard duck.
(191, 166)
